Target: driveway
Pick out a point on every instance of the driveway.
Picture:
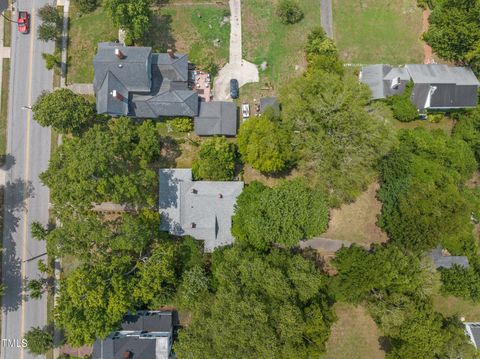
(237, 68)
(327, 245)
(326, 17)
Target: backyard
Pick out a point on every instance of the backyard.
(378, 31)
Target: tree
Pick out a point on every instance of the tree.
(265, 145)
(86, 6)
(337, 143)
(39, 340)
(130, 15)
(461, 282)
(264, 306)
(468, 129)
(35, 288)
(216, 160)
(108, 163)
(48, 32)
(64, 110)
(49, 14)
(454, 31)
(52, 61)
(285, 214)
(38, 231)
(181, 124)
(289, 11)
(402, 106)
(193, 288)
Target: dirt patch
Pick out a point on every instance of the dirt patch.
(474, 181)
(189, 152)
(427, 50)
(356, 222)
(354, 335)
(250, 175)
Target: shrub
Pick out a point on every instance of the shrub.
(289, 11)
(435, 117)
(49, 14)
(52, 60)
(181, 124)
(39, 341)
(86, 5)
(402, 106)
(216, 161)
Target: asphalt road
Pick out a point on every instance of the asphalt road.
(26, 200)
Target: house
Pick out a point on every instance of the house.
(133, 81)
(216, 118)
(473, 332)
(442, 259)
(270, 102)
(146, 335)
(201, 209)
(435, 86)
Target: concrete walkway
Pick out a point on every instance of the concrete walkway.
(4, 53)
(82, 89)
(326, 17)
(327, 245)
(237, 68)
(66, 7)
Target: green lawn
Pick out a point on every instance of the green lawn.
(378, 31)
(451, 305)
(198, 30)
(86, 30)
(265, 38)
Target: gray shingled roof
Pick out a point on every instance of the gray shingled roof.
(473, 331)
(379, 79)
(446, 261)
(147, 335)
(161, 89)
(441, 74)
(272, 102)
(183, 201)
(216, 118)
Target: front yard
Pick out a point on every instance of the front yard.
(378, 31)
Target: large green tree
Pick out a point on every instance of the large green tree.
(64, 110)
(264, 306)
(130, 15)
(285, 214)
(467, 128)
(265, 144)
(216, 160)
(454, 31)
(39, 340)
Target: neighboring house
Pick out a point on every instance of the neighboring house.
(133, 81)
(272, 102)
(435, 86)
(442, 259)
(216, 118)
(201, 209)
(473, 332)
(145, 335)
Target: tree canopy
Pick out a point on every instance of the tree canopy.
(64, 110)
(216, 160)
(467, 128)
(285, 214)
(454, 31)
(264, 305)
(265, 144)
(130, 15)
(39, 340)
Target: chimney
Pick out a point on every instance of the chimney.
(127, 354)
(171, 53)
(220, 195)
(117, 95)
(194, 191)
(193, 225)
(119, 54)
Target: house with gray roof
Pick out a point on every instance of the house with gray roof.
(216, 118)
(145, 334)
(133, 81)
(442, 259)
(201, 209)
(472, 329)
(435, 86)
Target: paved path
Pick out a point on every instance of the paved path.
(237, 68)
(66, 8)
(26, 199)
(326, 17)
(82, 89)
(327, 245)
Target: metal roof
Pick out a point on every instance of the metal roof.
(201, 209)
(473, 331)
(441, 260)
(441, 74)
(216, 118)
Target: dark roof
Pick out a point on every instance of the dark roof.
(272, 102)
(216, 118)
(441, 74)
(161, 89)
(3, 5)
(379, 80)
(146, 334)
(473, 331)
(443, 260)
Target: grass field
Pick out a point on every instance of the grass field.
(85, 31)
(354, 335)
(7, 30)
(192, 29)
(378, 31)
(457, 306)
(265, 38)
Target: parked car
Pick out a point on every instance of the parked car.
(233, 88)
(23, 22)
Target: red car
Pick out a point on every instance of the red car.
(23, 22)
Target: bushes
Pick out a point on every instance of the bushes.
(86, 6)
(51, 26)
(402, 106)
(181, 124)
(39, 341)
(289, 11)
(216, 160)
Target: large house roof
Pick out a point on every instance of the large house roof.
(146, 335)
(442, 259)
(201, 209)
(473, 331)
(441, 74)
(149, 85)
(216, 118)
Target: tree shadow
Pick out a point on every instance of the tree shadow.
(385, 344)
(159, 36)
(170, 152)
(15, 193)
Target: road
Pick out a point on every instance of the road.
(26, 199)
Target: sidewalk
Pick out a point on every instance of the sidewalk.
(4, 53)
